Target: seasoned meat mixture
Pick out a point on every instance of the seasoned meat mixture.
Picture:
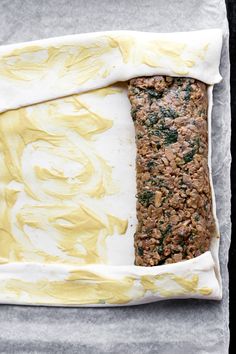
(174, 205)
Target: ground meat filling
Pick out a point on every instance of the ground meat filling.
(174, 206)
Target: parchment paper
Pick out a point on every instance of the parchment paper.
(180, 326)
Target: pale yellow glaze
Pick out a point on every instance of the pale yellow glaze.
(10, 250)
(33, 62)
(85, 122)
(79, 228)
(125, 45)
(153, 51)
(80, 63)
(188, 284)
(185, 285)
(202, 53)
(205, 291)
(86, 287)
(81, 287)
(24, 63)
(47, 154)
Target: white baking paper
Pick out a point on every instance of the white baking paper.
(186, 322)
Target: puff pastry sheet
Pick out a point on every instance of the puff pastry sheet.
(67, 169)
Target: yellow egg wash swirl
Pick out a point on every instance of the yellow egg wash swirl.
(78, 63)
(87, 287)
(32, 62)
(50, 173)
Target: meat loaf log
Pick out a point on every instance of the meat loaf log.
(174, 205)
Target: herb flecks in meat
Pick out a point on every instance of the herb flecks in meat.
(171, 136)
(145, 198)
(188, 157)
(167, 231)
(140, 251)
(168, 112)
(174, 207)
(153, 94)
(168, 135)
(153, 118)
(188, 91)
